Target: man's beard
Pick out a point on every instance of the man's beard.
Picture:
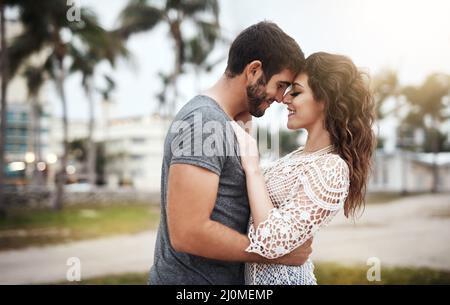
(256, 95)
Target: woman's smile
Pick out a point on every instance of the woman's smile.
(291, 112)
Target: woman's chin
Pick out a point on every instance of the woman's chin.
(295, 126)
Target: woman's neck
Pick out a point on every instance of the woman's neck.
(318, 138)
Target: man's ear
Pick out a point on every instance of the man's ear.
(253, 71)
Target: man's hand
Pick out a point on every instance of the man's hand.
(297, 257)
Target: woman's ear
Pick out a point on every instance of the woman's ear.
(322, 105)
(253, 71)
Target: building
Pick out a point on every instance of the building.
(134, 151)
(26, 143)
(410, 172)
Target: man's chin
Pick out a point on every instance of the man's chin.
(258, 112)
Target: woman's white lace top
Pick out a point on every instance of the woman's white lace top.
(307, 190)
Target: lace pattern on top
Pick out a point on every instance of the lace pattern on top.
(307, 191)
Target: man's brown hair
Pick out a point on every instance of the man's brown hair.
(265, 42)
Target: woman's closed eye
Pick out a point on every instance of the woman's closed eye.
(295, 93)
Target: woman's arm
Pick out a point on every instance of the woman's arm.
(259, 200)
(315, 199)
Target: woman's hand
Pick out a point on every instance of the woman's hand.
(248, 149)
(245, 118)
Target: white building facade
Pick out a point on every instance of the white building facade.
(403, 171)
(134, 151)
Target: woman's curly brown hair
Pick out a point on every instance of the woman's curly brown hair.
(349, 115)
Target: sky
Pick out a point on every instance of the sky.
(409, 36)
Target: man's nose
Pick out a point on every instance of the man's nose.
(286, 99)
(279, 96)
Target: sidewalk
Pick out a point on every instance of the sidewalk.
(413, 231)
(113, 255)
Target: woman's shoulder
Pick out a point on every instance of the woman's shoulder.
(331, 161)
(334, 170)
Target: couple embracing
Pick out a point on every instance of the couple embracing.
(227, 221)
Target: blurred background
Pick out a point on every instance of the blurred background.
(88, 90)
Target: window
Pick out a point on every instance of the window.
(137, 157)
(138, 140)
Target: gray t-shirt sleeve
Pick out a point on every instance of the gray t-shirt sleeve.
(199, 139)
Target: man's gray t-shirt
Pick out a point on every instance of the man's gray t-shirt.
(200, 136)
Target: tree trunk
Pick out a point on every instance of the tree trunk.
(175, 30)
(404, 162)
(435, 168)
(31, 129)
(61, 174)
(4, 84)
(37, 177)
(91, 149)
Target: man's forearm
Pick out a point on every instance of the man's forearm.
(216, 241)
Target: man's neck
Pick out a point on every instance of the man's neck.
(230, 94)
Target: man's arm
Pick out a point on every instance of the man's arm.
(192, 195)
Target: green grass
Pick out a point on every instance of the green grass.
(121, 279)
(36, 227)
(326, 273)
(332, 273)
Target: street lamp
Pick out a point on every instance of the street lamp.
(30, 157)
(52, 158)
(70, 169)
(41, 166)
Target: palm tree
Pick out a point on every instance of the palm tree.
(385, 85)
(428, 110)
(105, 46)
(43, 23)
(142, 15)
(106, 92)
(35, 77)
(4, 110)
(4, 80)
(12, 55)
(6, 74)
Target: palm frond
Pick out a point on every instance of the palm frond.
(34, 76)
(137, 17)
(192, 7)
(21, 48)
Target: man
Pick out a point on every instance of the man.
(204, 205)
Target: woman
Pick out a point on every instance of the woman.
(304, 190)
